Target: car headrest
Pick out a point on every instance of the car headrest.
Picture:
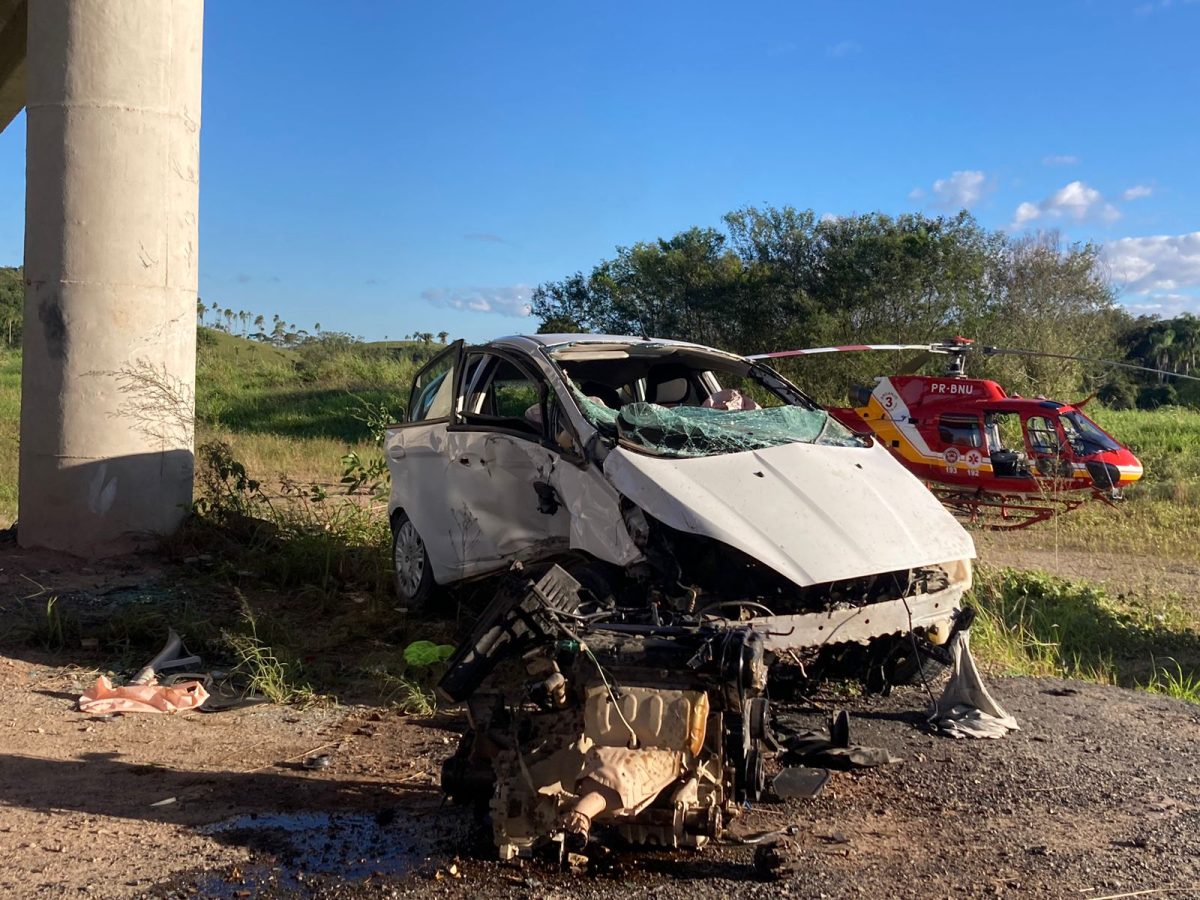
(674, 390)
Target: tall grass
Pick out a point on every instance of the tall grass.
(287, 413)
(1030, 623)
(10, 426)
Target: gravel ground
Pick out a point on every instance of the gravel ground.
(1097, 796)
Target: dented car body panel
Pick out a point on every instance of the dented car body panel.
(612, 449)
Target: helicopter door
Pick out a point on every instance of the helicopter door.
(1048, 450)
(962, 439)
(1006, 444)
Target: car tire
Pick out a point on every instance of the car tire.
(410, 565)
(913, 662)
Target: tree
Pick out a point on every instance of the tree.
(442, 336)
(12, 304)
(780, 278)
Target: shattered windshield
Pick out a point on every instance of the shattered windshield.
(683, 400)
(698, 431)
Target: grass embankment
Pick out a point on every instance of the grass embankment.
(1031, 623)
(285, 412)
(297, 412)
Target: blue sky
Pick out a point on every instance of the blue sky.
(398, 167)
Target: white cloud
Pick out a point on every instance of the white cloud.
(963, 189)
(960, 190)
(1026, 212)
(1166, 305)
(842, 49)
(1075, 201)
(1145, 9)
(830, 217)
(507, 301)
(1137, 192)
(1161, 264)
(1064, 159)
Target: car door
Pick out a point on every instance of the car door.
(418, 459)
(500, 491)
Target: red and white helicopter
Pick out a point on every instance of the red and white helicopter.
(1005, 461)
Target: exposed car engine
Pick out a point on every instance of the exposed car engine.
(655, 732)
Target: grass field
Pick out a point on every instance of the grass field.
(293, 414)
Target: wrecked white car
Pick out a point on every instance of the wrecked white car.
(674, 477)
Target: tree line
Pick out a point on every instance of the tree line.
(282, 333)
(781, 278)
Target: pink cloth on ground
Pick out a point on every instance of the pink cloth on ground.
(102, 698)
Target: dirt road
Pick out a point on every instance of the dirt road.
(1097, 795)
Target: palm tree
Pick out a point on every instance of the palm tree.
(201, 309)
(259, 322)
(442, 335)
(317, 328)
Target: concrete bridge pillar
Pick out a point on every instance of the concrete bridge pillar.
(112, 182)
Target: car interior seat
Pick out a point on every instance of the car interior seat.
(668, 385)
(604, 393)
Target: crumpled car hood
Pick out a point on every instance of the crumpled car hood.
(813, 513)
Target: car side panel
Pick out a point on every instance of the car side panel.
(493, 504)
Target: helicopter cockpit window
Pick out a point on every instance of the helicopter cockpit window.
(960, 431)
(1086, 436)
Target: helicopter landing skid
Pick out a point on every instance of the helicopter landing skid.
(1004, 512)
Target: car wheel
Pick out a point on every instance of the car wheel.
(414, 575)
(913, 662)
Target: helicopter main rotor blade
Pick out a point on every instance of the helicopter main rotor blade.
(849, 348)
(914, 365)
(996, 351)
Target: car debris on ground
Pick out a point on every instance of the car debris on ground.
(679, 524)
(585, 717)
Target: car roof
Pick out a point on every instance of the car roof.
(529, 342)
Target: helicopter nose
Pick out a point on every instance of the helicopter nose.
(1114, 470)
(1130, 467)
